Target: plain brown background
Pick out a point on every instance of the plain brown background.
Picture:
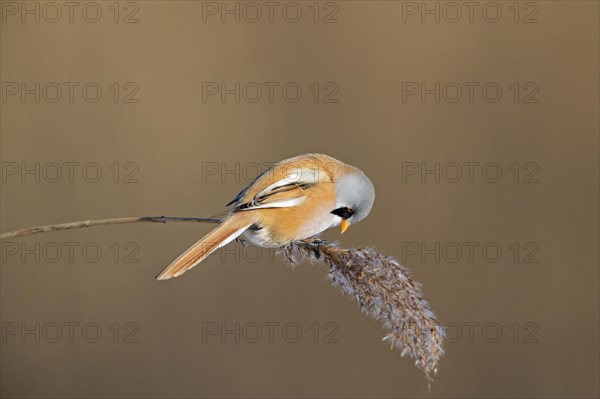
(171, 133)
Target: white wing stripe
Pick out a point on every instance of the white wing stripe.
(301, 176)
(286, 203)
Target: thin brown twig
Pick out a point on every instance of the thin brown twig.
(101, 222)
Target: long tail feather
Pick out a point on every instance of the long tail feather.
(228, 231)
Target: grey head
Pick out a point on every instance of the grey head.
(355, 195)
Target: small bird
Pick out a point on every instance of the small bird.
(294, 199)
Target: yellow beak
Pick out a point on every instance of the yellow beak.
(345, 225)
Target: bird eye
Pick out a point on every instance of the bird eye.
(343, 212)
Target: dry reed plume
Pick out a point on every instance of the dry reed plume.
(383, 289)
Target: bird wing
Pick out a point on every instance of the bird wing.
(285, 192)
